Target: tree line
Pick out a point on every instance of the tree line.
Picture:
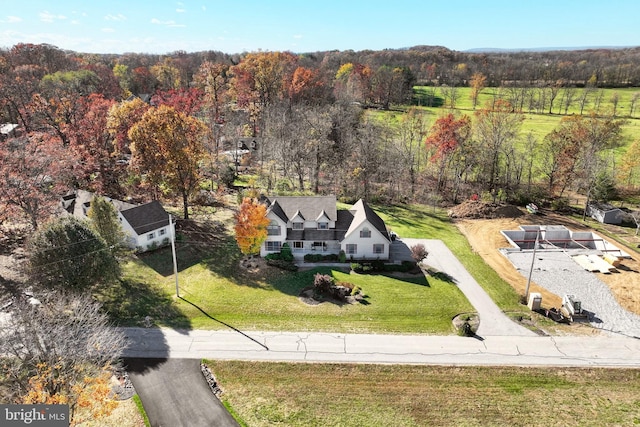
(148, 126)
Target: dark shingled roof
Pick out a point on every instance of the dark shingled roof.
(147, 217)
(310, 207)
(375, 220)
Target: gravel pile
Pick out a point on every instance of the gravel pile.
(558, 273)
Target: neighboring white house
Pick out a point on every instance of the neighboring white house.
(315, 225)
(146, 225)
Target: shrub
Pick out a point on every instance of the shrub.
(377, 265)
(342, 257)
(356, 267)
(330, 257)
(419, 252)
(313, 257)
(285, 252)
(322, 283)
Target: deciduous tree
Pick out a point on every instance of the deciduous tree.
(478, 82)
(104, 219)
(168, 147)
(35, 170)
(445, 136)
(59, 352)
(496, 127)
(251, 226)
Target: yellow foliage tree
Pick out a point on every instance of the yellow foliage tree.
(88, 397)
(251, 226)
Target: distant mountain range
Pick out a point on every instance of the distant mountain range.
(540, 49)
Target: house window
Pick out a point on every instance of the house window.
(298, 225)
(319, 246)
(323, 226)
(273, 229)
(365, 232)
(271, 246)
(151, 236)
(352, 249)
(162, 232)
(298, 246)
(378, 248)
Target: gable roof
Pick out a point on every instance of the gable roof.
(147, 217)
(286, 207)
(361, 213)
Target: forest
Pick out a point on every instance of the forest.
(423, 124)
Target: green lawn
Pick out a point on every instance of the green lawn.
(215, 292)
(267, 394)
(419, 221)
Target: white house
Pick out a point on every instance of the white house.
(315, 225)
(146, 226)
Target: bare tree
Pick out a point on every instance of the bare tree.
(632, 103)
(67, 333)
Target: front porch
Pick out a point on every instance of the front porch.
(302, 248)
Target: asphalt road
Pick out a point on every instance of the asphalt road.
(174, 393)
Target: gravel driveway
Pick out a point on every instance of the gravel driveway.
(558, 273)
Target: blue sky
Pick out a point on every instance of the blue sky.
(234, 26)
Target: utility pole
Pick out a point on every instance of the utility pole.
(533, 258)
(172, 230)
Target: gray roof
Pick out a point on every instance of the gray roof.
(310, 207)
(362, 212)
(147, 217)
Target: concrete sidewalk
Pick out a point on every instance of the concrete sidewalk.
(601, 351)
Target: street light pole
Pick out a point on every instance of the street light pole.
(533, 258)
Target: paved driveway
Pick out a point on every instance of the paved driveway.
(174, 393)
(493, 322)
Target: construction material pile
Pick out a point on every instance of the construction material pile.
(478, 209)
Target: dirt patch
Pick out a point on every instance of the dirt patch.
(485, 239)
(478, 209)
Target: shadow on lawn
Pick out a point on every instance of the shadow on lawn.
(225, 324)
(129, 302)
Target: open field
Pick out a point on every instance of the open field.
(266, 394)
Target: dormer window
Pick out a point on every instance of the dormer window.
(323, 226)
(273, 229)
(298, 225)
(365, 233)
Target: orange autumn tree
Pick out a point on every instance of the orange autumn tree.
(251, 226)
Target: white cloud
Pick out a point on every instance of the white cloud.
(50, 17)
(169, 23)
(118, 17)
(297, 36)
(11, 20)
(180, 10)
(204, 8)
(108, 30)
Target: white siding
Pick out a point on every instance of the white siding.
(365, 245)
(281, 238)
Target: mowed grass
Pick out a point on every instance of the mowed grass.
(419, 221)
(392, 305)
(267, 394)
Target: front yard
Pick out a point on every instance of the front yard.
(215, 291)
